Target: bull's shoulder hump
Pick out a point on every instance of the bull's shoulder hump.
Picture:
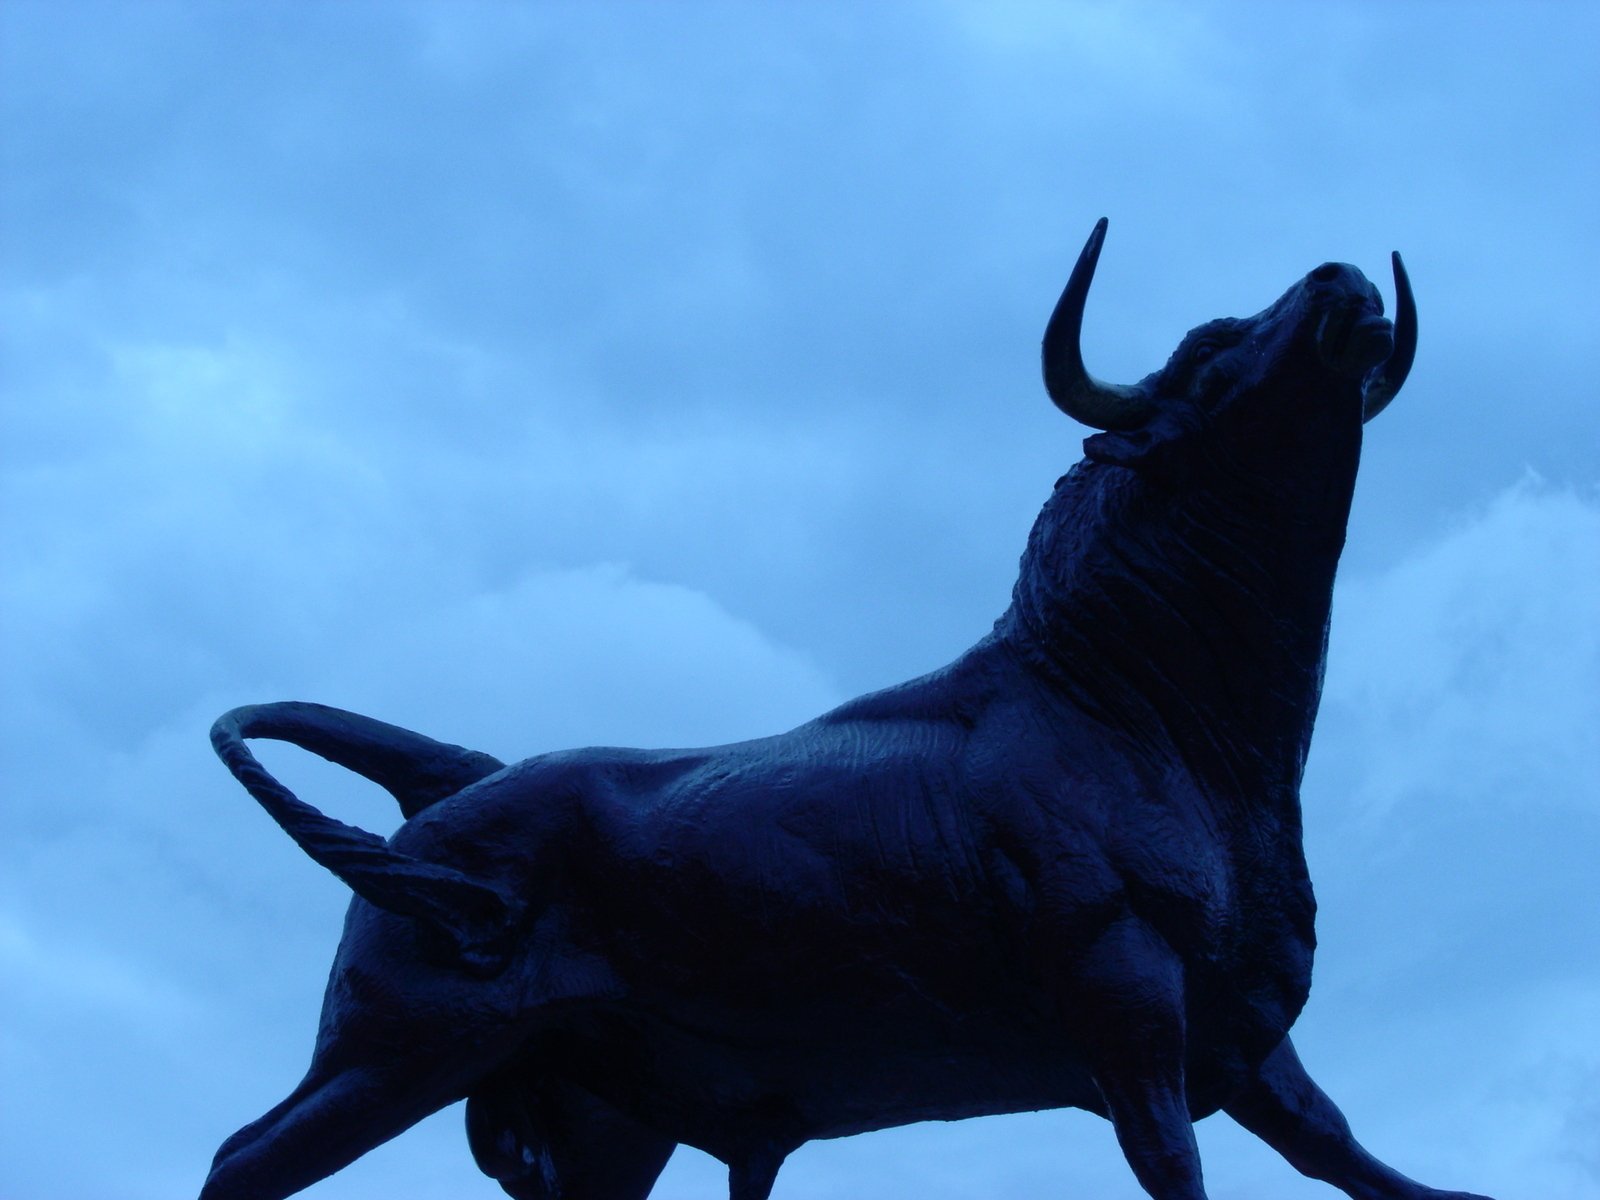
(956, 695)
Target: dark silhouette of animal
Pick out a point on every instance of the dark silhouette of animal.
(1064, 870)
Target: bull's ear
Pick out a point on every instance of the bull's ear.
(1155, 445)
(1118, 449)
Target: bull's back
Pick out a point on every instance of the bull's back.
(845, 873)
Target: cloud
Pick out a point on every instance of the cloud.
(188, 529)
(583, 656)
(1453, 822)
(1474, 662)
(156, 922)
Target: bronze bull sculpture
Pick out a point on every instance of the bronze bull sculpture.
(1064, 870)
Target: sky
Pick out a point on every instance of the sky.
(547, 375)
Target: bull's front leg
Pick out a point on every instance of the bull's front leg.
(1126, 996)
(1287, 1110)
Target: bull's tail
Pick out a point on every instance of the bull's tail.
(473, 917)
(415, 770)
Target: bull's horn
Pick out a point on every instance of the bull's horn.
(1382, 389)
(1075, 392)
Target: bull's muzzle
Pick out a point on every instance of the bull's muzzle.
(1352, 339)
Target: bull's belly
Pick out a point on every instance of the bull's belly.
(894, 1040)
(730, 1095)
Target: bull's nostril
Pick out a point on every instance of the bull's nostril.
(1326, 273)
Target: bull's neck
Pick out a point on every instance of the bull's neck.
(1194, 615)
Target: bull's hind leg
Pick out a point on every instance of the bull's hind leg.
(546, 1139)
(326, 1123)
(1285, 1109)
(369, 1081)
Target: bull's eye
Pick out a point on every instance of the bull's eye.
(1203, 351)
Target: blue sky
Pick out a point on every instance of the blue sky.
(548, 375)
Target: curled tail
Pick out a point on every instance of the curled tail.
(415, 770)
(473, 917)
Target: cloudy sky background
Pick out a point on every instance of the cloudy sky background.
(548, 375)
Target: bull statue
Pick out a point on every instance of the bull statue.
(1065, 870)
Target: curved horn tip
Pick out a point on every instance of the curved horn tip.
(1402, 283)
(1097, 237)
(1393, 375)
(1070, 386)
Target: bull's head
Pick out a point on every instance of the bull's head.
(1328, 330)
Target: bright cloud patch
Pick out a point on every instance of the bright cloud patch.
(579, 657)
(1452, 817)
(1474, 663)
